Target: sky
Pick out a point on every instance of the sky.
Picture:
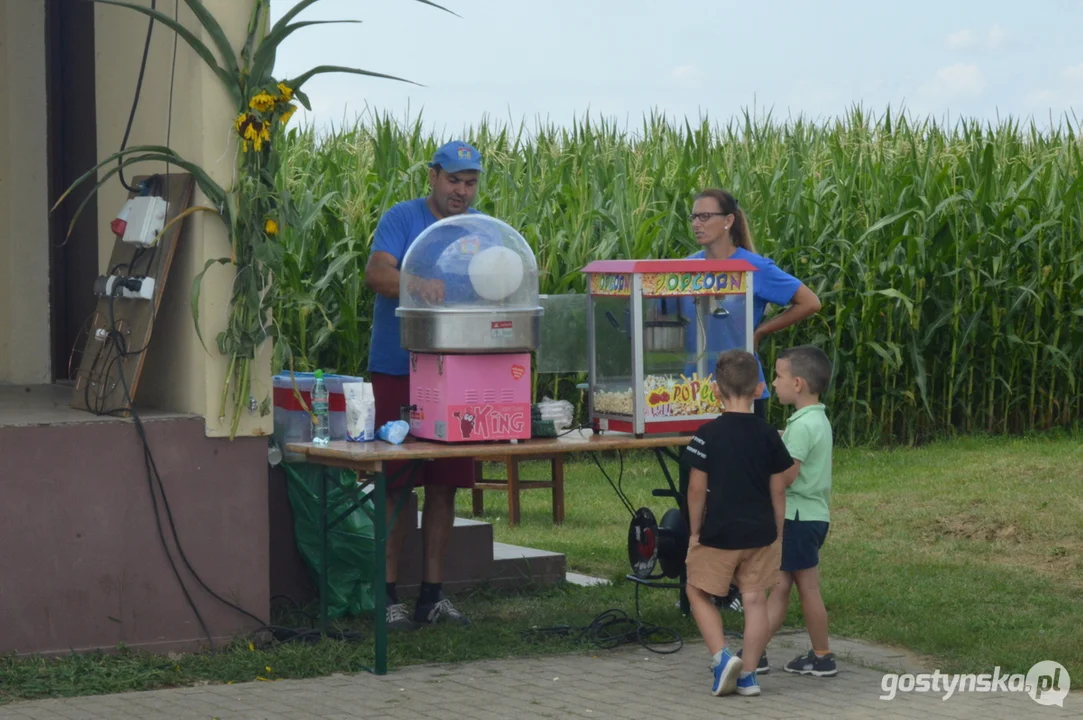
(514, 61)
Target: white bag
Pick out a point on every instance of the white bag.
(561, 412)
(360, 411)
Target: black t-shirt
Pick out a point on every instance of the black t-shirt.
(739, 452)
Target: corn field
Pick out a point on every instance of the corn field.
(949, 260)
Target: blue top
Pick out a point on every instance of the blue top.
(770, 284)
(396, 231)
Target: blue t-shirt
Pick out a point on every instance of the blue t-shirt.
(770, 284)
(396, 231)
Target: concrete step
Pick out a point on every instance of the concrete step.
(513, 565)
(469, 554)
(585, 580)
(472, 557)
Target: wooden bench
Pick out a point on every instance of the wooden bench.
(512, 485)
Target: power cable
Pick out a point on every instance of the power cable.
(613, 628)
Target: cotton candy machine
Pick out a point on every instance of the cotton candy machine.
(470, 317)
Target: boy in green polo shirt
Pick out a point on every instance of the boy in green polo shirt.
(802, 375)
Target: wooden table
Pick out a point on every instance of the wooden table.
(367, 460)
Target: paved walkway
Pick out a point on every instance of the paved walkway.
(625, 683)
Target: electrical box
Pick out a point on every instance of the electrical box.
(146, 218)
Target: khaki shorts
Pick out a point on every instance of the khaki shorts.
(754, 569)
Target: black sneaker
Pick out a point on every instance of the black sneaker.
(812, 665)
(763, 668)
(732, 601)
(398, 617)
(440, 611)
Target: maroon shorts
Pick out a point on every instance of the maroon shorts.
(391, 393)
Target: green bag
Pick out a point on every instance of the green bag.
(350, 543)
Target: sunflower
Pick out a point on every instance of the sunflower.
(252, 131)
(262, 102)
(285, 92)
(264, 136)
(287, 114)
(270, 227)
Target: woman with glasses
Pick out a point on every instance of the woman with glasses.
(721, 230)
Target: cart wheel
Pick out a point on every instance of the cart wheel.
(643, 543)
(672, 543)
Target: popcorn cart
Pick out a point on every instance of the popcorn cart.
(469, 315)
(655, 330)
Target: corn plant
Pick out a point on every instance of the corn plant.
(949, 259)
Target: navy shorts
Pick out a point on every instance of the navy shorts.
(801, 543)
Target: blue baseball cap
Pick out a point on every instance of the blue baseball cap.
(457, 156)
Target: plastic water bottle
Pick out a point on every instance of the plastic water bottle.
(321, 416)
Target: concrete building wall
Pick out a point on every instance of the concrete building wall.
(84, 566)
(24, 219)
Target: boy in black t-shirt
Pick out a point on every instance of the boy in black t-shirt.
(739, 468)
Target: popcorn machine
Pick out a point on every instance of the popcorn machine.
(469, 315)
(655, 330)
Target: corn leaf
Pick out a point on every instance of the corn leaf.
(197, 288)
(218, 35)
(263, 65)
(264, 60)
(335, 270)
(302, 98)
(180, 216)
(301, 79)
(440, 7)
(293, 12)
(259, 12)
(112, 158)
(134, 156)
(230, 81)
(893, 293)
(886, 221)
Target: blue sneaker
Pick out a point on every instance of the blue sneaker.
(748, 685)
(725, 673)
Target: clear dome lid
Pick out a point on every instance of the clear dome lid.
(469, 262)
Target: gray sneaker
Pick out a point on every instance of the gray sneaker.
(812, 665)
(440, 611)
(762, 668)
(398, 617)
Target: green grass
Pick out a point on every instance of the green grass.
(970, 551)
(966, 551)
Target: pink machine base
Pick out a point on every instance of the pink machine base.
(470, 398)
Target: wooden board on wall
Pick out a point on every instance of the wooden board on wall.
(103, 371)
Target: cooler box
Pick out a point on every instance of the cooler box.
(470, 398)
(292, 422)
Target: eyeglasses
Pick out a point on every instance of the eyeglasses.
(705, 216)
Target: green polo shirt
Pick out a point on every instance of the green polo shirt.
(808, 438)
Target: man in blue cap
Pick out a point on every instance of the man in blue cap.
(453, 177)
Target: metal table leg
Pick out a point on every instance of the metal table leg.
(380, 581)
(381, 529)
(324, 530)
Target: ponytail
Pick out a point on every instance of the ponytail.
(740, 233)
